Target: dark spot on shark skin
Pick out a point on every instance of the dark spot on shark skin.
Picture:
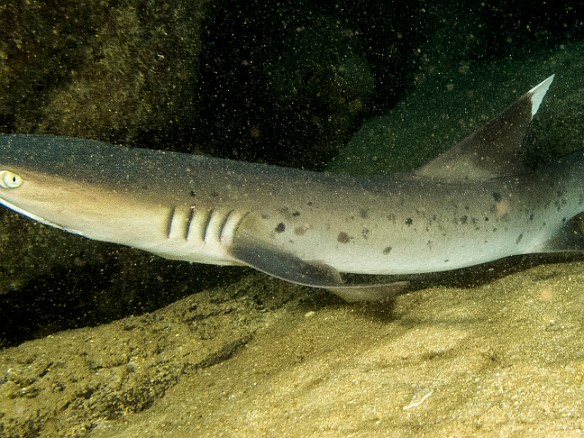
(497, 197)
(365, 233)
(343, 237)
(364, 213)
(464, 219)
(518, 239)
(409, 221)
(531, 217)
(265, 216)
(387, 250)
(287, 214)
(281, 227)
(192, 194)
(309, 203)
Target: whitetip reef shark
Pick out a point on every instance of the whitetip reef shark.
(475, 203)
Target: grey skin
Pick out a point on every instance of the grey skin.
(475, 203)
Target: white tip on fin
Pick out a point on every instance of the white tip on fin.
(492, 150)
(538, 93)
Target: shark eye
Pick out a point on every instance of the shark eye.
(9, 180)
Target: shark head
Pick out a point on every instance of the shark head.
(54, 181)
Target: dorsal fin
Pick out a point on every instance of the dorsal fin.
(492, 150)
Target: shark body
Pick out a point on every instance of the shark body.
(475, 203)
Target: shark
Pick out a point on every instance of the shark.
(475, 203)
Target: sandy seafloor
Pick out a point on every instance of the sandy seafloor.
(502, 358)
(259, 357)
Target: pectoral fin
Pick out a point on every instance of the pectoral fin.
(288, 267)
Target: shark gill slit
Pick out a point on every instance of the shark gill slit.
(231, 226)
(189, 221)
(206, 223)
(232, 222)
(169, 222)
(223, 224)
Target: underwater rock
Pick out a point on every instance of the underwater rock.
(119, 73)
